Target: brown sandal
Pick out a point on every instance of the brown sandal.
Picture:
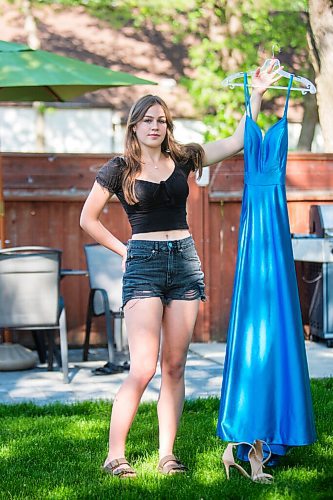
(171, 465)
(114, 468)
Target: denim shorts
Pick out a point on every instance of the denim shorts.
(170, 270)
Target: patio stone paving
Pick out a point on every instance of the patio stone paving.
(203, 376)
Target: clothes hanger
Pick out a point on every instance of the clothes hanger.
(306, 87)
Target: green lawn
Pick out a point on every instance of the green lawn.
(55, 452)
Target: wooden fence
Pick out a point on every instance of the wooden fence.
(44, 195)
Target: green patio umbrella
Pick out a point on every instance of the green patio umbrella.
(36, 75)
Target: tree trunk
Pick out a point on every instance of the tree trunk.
(321, 43)
(30, 25)
(34, 42)
(310, 120)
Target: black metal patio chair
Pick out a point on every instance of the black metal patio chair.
(30, 297)
(105, 279)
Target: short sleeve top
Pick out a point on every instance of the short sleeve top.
(110, 175)
(161, 206)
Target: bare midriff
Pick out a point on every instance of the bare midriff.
(174, 234)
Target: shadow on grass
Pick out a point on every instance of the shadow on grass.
(55, 452)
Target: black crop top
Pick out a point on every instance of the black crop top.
(161, 206)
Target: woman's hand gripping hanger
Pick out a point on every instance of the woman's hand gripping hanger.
(275, 66)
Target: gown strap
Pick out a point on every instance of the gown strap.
(247, 97)
(288, 95)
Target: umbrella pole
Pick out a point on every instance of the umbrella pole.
(2, 209)
(6, 334)
(6, 337)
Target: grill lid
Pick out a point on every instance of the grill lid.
(321, 220)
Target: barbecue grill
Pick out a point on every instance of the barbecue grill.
(317, 248)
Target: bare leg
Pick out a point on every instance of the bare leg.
(178, 323)
(143, 325)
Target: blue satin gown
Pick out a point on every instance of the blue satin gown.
(265, 390)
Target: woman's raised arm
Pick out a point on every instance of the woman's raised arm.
(221, 149)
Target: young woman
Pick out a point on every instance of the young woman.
(163, 282)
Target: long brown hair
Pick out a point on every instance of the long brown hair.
(180, 153)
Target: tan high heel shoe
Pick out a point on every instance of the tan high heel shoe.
(257, 462)
(229, 460)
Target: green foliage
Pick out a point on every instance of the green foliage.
(263, 27)
(55, 452)
(224, 37)
(135, 12)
